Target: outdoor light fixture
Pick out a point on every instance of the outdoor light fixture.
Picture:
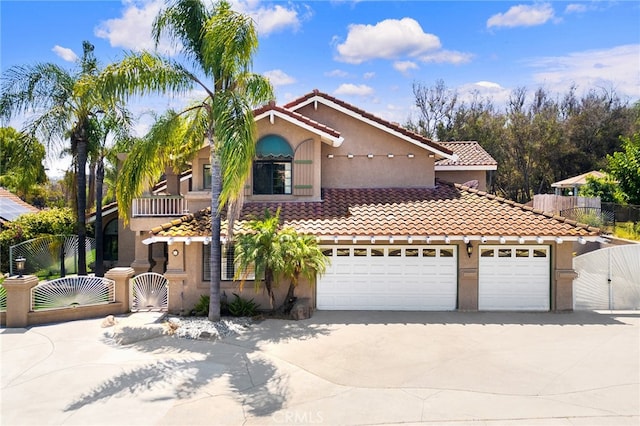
(469, 249)
(390, 155)
(539, 240)
(329, 155)
(206, 241)
(175, 252)
(170, 241)
(521, 240)
(391, 239)
(502, 240)
(558, 240)
(410, 155)
(187, 241)
(373, 240)
(335, 240)
(582, 241)
(465, 239)
(369, 155)
(410, 239)
(21, 262)
(349, 155)
(483, 239)
(447, 239)
(428, 240)
(354, 239)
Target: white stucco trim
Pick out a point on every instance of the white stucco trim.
(445, 168)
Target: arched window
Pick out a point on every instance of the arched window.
(110, 241)
(272, 166)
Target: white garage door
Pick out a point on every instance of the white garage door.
(512, 278)
(412, 278)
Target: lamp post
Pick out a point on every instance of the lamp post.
(20, 264)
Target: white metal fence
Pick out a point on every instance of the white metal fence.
(608, 279)
(71, 292)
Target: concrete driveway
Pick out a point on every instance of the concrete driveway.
(338, 368)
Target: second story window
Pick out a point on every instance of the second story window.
(272, 166)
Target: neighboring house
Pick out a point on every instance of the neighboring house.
(398, 237)
(11, 206)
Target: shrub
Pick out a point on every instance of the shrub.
(201, 309)
(240, 307)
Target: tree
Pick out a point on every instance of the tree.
(21, 162)
(220, 45)
(274, 252)
(437, 106)
(606, 188)
(625, 167)
(64, 103)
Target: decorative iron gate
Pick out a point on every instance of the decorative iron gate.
(608, 279)
(149, 291)
(51, 256)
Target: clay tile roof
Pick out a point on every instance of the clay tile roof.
(447, 209)
(392, 126)
(271, 106)
(470, 153)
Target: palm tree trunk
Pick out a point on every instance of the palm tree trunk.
(82, 202)
(214, 261)
(99, 232)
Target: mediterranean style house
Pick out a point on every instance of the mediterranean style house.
(406, 222)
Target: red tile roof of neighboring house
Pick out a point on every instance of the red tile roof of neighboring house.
(447, 209)
(391, 126)
(470, 153)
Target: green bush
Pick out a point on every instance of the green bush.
(201, 309)
(240, 307)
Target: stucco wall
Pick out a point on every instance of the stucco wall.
(361, 139)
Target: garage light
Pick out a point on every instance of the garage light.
(187, 241)
(390, 155)
(391, 239)
(521, 240)
(335, 240)
(410, 155)
(582, 241)
(483, 239)
(206, 241)
(502, 240)
(354, 239)
(373, 240)
(369, 155)
(410, 239)
(349, 155)
(539, 240)
(465, 239)
(428, 240)
(329, 155)
(170, 241)
(558, 240)
(469, 249)
(447, 239)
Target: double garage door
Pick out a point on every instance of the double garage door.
(424, 278)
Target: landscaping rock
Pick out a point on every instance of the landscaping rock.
(301, 309)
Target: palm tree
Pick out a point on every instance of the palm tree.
(218, 44)
(64, 103)
(274, 252)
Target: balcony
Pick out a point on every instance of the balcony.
(159, 205)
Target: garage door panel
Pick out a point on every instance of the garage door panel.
(514, 278)
(403, 281)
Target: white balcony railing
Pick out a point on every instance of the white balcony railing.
(159, 205)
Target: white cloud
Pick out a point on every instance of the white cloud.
(405, 66)
(279, 78)
(575, 8)
(522, 16)
(615, 68)
(353, 89)
(133, 29)
(65, 53)
(336, 73)
(447, 56)
(484, 90)
(270, 19)
(388, 39)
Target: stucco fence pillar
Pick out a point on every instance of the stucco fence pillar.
(176, 296)
(563, 297)
(18, 300)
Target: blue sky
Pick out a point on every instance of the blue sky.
(369, 53)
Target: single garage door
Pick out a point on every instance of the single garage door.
(412, 278)
(514, 278)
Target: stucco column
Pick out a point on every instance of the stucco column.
(121, 276)
(176, 279)
(468, 289)
(564, 290)
(19, 300)
(142, 262)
